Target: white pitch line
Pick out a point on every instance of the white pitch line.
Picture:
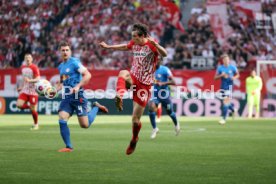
(196, 130)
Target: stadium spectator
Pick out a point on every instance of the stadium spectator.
(38, 26)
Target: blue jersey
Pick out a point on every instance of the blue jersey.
(70, 73)
(231, 71)
(162, 74)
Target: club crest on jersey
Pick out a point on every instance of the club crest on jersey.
(64, 77)
(67, 70)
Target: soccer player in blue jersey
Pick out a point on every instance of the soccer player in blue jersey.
(161, 94)
(73, 76)
(227, 73)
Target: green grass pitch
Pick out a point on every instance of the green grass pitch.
(240, 152)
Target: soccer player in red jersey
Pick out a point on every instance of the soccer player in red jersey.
(145, 51)
(31, 75)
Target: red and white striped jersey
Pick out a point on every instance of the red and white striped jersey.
(31, 72)
(144, 61)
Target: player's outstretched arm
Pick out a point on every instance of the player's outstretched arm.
(115, 47)
(236, 76)
(32, 80)
(171, 81)
(161, 50)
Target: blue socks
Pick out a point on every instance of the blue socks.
(173, 117)
(224, 111)
(152, 119)
(64, 129)
(153, 122)
(231, 107)
(65, 133)
(92, 115)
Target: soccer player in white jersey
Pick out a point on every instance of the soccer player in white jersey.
(28, 97)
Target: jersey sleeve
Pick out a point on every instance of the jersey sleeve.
(218, 72)
(260, 84)
(130, 44)
(59, 67)
(153, 48)
(79, 67)
(235, 70)
(36, 71)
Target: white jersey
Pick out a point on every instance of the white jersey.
(31, 72)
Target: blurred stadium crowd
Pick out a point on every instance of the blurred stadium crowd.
(37, 26)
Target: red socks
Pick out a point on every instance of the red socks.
(121, 86)
(135, 130)
(159, 112)
(34, 113)
(35, 117)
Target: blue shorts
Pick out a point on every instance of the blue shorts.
(71, 104)
(225, 93)
(166, 103)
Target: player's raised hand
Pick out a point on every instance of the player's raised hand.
(104, 45)
(152, 41)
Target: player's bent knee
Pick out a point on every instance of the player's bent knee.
(63, 118)
(152, 107)
(226, 100)
(135, 123)
(19, 106)
(169, 112)
(33, 108)
(135, 119)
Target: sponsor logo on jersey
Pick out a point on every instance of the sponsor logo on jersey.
(135, 54)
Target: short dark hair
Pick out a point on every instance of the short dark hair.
(142, 29)
(63, 44)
